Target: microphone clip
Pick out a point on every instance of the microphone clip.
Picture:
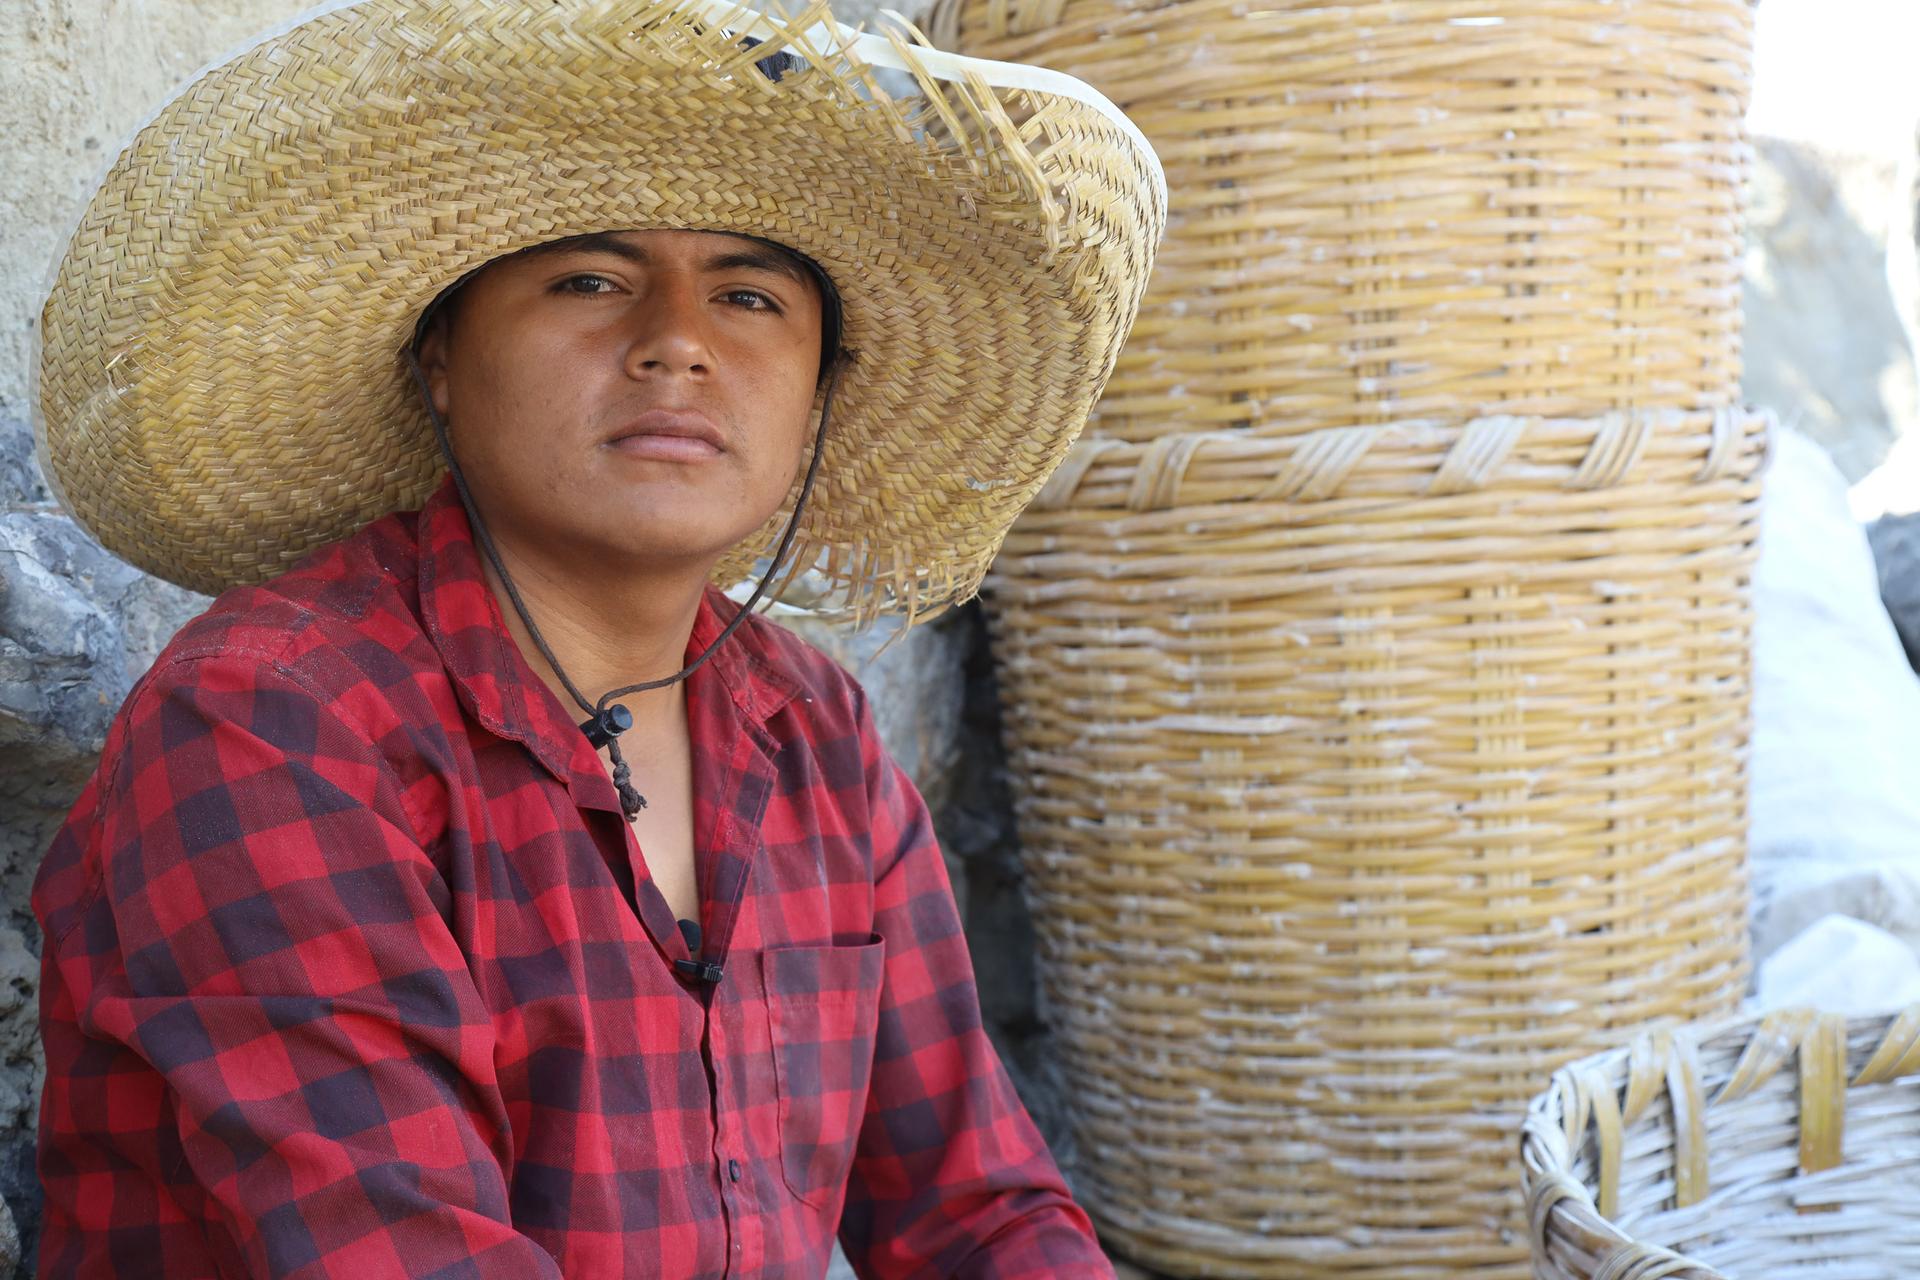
(699, 970)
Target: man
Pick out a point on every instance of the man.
(488, 895)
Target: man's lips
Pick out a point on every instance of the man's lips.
(675, 435)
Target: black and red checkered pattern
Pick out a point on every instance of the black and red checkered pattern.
(352, 969)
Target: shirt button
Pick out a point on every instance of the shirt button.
(733, 1170)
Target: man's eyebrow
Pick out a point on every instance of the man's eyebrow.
(750, 258)
(761, 260)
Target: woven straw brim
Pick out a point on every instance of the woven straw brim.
(222, 386)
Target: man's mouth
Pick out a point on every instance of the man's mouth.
(670, 435)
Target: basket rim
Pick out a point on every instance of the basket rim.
(1600, 451)
(1561, 1117)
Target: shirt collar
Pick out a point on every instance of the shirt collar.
(500, 690)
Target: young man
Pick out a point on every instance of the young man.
(488, 895)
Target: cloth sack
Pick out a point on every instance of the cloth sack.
(1835, 816)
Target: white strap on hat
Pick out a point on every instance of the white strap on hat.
(876, 49)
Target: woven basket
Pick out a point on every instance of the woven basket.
(1706, 1142)
(1428, 209)
(1364, 777)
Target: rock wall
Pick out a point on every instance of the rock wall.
(1895, 540)
(76, 625)
(1827, 342)
(1833, 277)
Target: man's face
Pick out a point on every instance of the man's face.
(640, 396)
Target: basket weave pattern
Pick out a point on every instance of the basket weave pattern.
(1431, 209)
(1348, 817)
(1765, 1147)
(1377, 664)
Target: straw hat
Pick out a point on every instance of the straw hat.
(221, 380)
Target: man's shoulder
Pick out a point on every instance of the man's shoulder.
(347, 605)
(259, 655)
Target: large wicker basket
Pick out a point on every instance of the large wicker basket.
(1702, 1154)
(1376, 669)
(1364, 777)
(1386, 210)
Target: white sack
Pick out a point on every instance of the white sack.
(1840, 965)
(1836, 747)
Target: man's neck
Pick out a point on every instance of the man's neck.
(605, 634)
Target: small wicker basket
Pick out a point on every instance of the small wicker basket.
(1693, 1155)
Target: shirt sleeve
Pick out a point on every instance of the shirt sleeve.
(950, 1176)
(265, 1054)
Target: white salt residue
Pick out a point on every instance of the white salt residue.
(1225, 724)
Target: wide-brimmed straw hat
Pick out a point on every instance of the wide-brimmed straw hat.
(221, 382)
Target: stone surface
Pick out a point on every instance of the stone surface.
(1827, 336)
(1896, 552)
(76, 628)
(1833, 283)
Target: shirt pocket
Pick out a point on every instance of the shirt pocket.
(823, 1004)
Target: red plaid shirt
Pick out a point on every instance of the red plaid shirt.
(352, 969)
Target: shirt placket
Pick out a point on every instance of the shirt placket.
(733, 775)
(735, 845)
(744, 1243)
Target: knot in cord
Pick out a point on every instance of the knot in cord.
(603, 729)
(631, 801)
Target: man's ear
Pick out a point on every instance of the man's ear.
(432, 355)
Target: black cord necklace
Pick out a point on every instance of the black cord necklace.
(606, 719)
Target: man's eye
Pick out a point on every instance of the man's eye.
(585, 284)
(752, 299)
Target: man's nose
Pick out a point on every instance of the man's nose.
(667, 331)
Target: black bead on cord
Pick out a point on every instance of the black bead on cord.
(606, 719)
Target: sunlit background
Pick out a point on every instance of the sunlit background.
(1833, 286)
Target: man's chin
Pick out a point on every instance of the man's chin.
(656, 545)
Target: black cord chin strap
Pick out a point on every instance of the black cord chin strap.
(606, 719)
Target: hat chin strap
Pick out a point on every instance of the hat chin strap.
(606, 719)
